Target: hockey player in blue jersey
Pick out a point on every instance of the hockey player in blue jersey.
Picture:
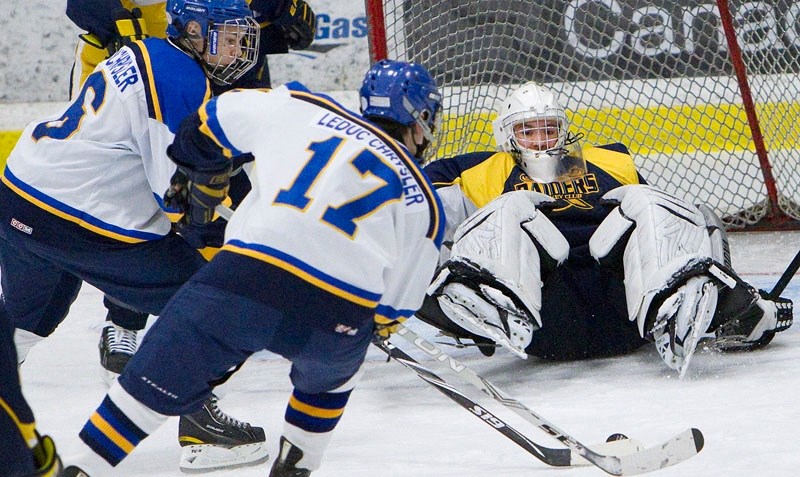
(80, 198)
(337, 240)
(563, 252)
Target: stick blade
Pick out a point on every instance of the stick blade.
(679, 448)
(615, 448)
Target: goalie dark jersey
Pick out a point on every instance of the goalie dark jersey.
(583, 304)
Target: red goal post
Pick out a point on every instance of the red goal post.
(706, 95)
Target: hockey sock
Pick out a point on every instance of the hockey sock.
(310, 420)
(118, 425)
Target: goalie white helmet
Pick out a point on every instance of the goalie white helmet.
(533, 127)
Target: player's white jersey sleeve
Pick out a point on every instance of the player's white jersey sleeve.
(334, 200)
(105, 155)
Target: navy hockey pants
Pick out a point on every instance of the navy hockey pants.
(44, 261)
(234, 307)
(584, 314)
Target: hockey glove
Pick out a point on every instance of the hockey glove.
(196, 194)
(298, 24)
(201, 236)
(130, 27)
(384, 327)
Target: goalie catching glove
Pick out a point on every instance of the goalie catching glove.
(196, 194)
(491, 285)
(298, 23)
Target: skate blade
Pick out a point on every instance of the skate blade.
(207, 458)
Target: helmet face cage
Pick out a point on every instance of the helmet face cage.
(533, 127)
(404, 93)
(223, 23)
(243, 32)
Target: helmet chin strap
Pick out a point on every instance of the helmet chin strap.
(421, 148)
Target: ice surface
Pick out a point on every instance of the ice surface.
(396, 425)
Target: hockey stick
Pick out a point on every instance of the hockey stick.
(673, 451)
(224, 211)
(554, 457)
(616, 444)
(787, 276)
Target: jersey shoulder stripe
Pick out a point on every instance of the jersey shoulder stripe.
(615, 160)
(305, 272)
(209, 125)
(436, 228)
(170, 100)
(482, 176)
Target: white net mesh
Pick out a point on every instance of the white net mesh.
(655, 75)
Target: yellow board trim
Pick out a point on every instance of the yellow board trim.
(8, 139)
(669, 130)
(659, 130)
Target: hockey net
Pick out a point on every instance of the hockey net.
(708, 114)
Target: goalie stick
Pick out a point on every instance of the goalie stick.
(673, 451)
(785, 278)
(617, 443)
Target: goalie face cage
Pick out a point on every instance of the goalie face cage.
(705, 95)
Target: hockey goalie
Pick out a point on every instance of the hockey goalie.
(564, 252)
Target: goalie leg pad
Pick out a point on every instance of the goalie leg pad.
(496, 262)
(511, 241)
(662, 240)
(683, 319)
(473, 313)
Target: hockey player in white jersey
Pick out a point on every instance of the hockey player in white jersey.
(563, 252)
(110, 24)
(337, 240)
(80, 198)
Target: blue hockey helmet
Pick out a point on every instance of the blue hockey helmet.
(217, 19)
(204, 12)
(404, 93)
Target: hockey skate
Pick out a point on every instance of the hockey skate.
(757, 326)
(474, 314)
(683, 320)
(288, 457)
(117, 346)
(213, 440)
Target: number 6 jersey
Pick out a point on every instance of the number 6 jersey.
(102, 162)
